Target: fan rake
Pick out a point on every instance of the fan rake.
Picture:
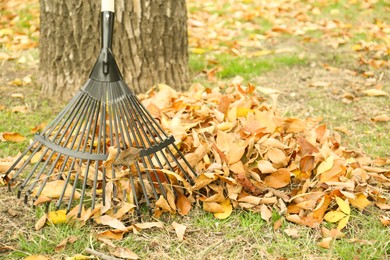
(104, 135)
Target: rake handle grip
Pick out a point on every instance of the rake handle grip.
(108, 5)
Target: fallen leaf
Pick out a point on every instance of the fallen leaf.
(265, 212)
(292, 232)
(69, 240)
(36, 257)
(360, 201)
(20, 109)
(148, 225)
(57, 217)
(380, 118)
(41, 222)
(334, 216)
(12, 137)
(227, 210)
(375, 92)
(344, 205)
(112, 222)
(124, 252)
(179, 229)
(278, 179)
(325, 243)
(385, 220)
(54, 190)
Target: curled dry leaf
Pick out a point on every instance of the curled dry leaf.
(325, 243)
(124, 253)
(292, 232)
(112, 222)
(227, 210)
(69, 240)
(179, 229)
(41, 222)
(57, 217)
(54, 190)
(12, 137)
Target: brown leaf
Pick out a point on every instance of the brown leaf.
(179, 229)
(265, 166)
(123, 252)
(54, 189)
(112, 222)
(128, 156)
(61, 246)
(373, 92)
(148, 225)
(325, 243)
(20, 109)
(111, 234)
(380, 118)
(41, 222)
(292, 232)
(12, 137)
(265, 212)
(385, 220)
(183, 204)
(278, 179)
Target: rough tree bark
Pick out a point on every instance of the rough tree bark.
(150, 43)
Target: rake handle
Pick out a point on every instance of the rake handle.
(108, 5)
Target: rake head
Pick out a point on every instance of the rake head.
(104, 146)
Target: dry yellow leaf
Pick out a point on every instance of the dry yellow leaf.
(227, 210)
(325, 165)
(344, 205)
(360, 201)
(179, 229)
(325, 243)
(57, 217)
(334, 216)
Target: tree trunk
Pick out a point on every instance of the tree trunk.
(150, 43)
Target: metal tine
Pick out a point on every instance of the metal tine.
(174, 145)
(25, 162)
(140, 176)
(146, 112)
(110, 120)
(80, 121)
(102, 107)
(58, 118)
(131, 119)
(137, 167)
(38, 175)
(78, 124)
(97, 108)
(141, 143)
(68, 122)
(39, 146)
(29, 191)
(27, 179)
(104, 116)
(58, 142)
(85, 135)
(65, 117)
(124, 117)
(151, 130)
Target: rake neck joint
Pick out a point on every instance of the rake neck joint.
(105, 68)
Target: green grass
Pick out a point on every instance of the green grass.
(243, 235)
(245, 67)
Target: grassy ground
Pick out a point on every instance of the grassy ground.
(310, 78)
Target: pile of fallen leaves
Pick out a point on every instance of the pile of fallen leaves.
(250, 157)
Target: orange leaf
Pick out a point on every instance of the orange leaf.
(278, 179)
(325, 243)
(360, 201)
(183, 204)
(12, 137)
(227, 210)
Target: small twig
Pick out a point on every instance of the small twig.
(100, 255)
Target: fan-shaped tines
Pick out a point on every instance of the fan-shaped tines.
(104, 136)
